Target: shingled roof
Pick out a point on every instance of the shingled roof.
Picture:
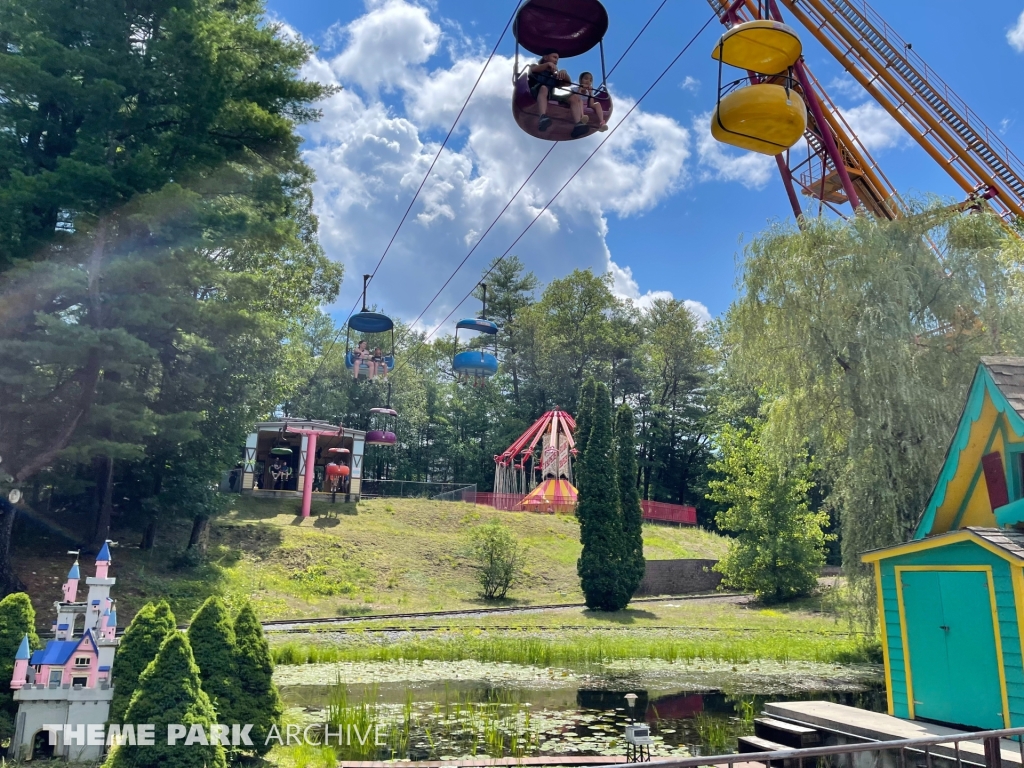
(1007, 539)
(1008, 374)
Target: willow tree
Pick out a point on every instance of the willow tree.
(863, 335)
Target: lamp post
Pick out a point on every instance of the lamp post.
(638, 736)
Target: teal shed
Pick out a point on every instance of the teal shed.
(951, 600)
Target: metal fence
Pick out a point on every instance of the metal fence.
(466, 493)
(979, 748)
(409, 489)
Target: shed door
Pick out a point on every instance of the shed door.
(952, 647)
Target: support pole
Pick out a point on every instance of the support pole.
(787, 180)
(307, 479)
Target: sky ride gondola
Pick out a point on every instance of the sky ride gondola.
(476, 364)
(367, 322)
(763, 111)
(568, 28)
(383, 421)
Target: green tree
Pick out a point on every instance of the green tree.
(156, 237)
(497, 558)
(600, 564)
(778, 546)
(584, 418)
(140, 644)
(260, 703)
(169, 692)
(17, 619)
(863, 336)
(212, 638)
(632, 555)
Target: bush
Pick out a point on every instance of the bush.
(140, 644)
(497, 557)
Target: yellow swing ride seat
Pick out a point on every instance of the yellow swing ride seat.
(764, 116)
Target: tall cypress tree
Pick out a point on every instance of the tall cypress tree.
(260, 703)
(583, 425)
(139, 646)
(169, 692)
(17, 619)
(599, 514)
(212, 638)
(633, 564)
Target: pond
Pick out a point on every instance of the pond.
(445, 710)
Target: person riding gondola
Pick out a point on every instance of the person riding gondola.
(544, 78)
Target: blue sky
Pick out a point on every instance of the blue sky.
(661, 206)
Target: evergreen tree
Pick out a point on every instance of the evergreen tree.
(598, 510)
(169, 691)
(139, 646)
(633, 564)
(583, 423)
(260, 703)
(17, 619)
(212, 638)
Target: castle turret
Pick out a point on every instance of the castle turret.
(21, 664)
(71, 585)
(103, 561)
(110, 626)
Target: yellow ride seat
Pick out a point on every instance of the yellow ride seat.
(766, 47)
(761, 118)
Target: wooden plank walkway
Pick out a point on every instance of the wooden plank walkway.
(874, 726)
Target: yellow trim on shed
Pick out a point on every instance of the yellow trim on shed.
(940, 540)
(885, 638)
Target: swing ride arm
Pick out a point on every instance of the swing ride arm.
(899, 80)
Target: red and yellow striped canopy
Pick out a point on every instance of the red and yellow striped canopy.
(551, 496)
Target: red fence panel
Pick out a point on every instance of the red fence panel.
(657, 511)
(664, 512)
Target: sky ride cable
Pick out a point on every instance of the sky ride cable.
(562, 188)
(419, 189)
(520, 189)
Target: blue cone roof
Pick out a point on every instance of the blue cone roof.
(23, 650)
(74, 573)
(104, 555)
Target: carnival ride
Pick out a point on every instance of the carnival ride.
(539, 465)
(476, 364)
(569, 28)
(367, 322)
(837, 168)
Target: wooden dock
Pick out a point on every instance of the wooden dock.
(853, 724)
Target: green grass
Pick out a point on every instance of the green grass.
(382, 556)
(586, 649)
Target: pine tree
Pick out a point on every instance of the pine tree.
(260, 703)
(598, 510)
(17, 619)
(139, 646)
(168, 692)
(633, 564)
(212, 638)
(582, 431)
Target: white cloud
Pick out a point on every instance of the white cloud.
(846, 86)
(691, 84)
(370, 155)
(874, 126)
(625, 286)
(1015, 35)
(1004, 125)
(717, 163)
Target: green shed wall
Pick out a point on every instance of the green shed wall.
(960, 553)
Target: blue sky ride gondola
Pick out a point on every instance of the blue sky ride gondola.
(477, 365)
(367, 322)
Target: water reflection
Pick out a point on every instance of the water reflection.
(469, 718)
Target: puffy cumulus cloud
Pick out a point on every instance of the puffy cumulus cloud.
(370, 154)
(720, 164)
(1015, 35)
(625, 286)
(874, 126)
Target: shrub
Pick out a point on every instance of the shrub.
(260, 703)
(139, 646)
(497, 557)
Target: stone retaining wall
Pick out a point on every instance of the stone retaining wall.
(679, 577)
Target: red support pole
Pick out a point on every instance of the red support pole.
(310, 466)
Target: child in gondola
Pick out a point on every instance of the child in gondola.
(585, 92)
(359, 354)
(543, 78)
(378, 364)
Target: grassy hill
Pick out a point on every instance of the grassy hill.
(381, 556)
